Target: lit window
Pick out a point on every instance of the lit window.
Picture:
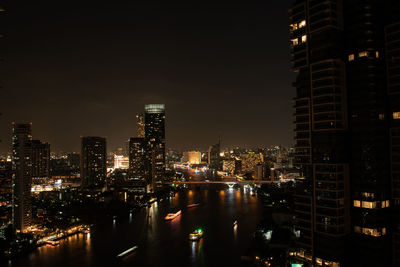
(295, 41)
(363, 54)
(368, 205)
(357, 229)
(351, 57)
(302, 24)
(357, 203)
(377, 54)
(381, 116)
(387, 203)
(304, 38)
(369, 231)
(396, 115)
(293, 26)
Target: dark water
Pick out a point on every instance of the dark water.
(164, 243)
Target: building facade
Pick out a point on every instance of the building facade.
(93, 161)
(343, 145)
(40, 159)
(192, 157)
(137, 158)
(155, 140)
(22, 176)
(140, 125)
(214, 157)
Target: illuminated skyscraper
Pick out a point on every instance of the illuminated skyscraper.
(140, 125)
(40, 159)
(93, 161)
(137, 158)
(343, 145)
(22, 176)
(155, 140)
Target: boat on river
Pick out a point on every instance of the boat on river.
(171, 216)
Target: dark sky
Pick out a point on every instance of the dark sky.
(221, 68)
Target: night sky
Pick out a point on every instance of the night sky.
(221, 68)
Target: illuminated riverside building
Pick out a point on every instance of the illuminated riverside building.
(228, 165)
(192, 157)
(137, 158)
(344, 146)
(250, 161)
(40, 159)
(154, 131)
(93, 161)
(22, 176)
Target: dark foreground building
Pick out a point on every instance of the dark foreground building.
(93, 162)
(346, 55)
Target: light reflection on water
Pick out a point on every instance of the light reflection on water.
(161, 243)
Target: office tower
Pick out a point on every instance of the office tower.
(137, 158)
(155, 140)
(214, 158)
(140, 125)
(93, 161)
(341, 130)
(22, 176)
(40, 159)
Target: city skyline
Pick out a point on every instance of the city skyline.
(75, 90)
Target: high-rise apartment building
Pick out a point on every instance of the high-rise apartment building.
(40, 159)
(341, 129)
(392, 45)
(155, 140)
(137, 158)
(93, 161)
(214, 157)
(140, 125)
(22, 176)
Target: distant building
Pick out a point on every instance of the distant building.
(250, 160)
(140, 125)
(121, 162)
(214, 158)
(93, 161)
(40, 159)
(261, 171)
(192, 157)
(228, 165)
(155, 140)
(74, 160)
(137, 158)
(22, 176)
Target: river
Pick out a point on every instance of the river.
(160, 242)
